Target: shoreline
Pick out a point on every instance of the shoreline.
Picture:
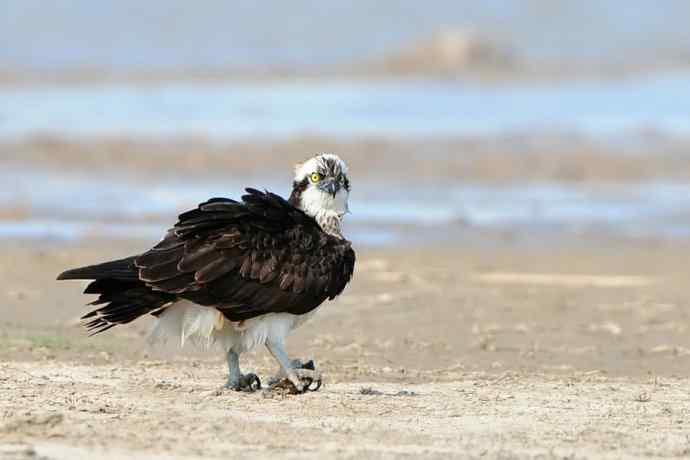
(385, 68)
(494, 159)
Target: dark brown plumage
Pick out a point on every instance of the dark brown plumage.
(247, 258)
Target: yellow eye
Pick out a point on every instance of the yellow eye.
(315, 177)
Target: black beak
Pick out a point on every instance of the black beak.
(330, 186)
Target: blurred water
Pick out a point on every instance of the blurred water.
(179, 35)
(77, 205)
(349, 108)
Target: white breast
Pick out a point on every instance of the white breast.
(205, 326)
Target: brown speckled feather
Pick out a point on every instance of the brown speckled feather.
(249, 258)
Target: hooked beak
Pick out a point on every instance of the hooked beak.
(330, 186)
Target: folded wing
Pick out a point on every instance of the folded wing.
(248, 258)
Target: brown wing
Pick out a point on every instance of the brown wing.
(249, 258)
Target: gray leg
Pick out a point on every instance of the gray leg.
(234, 373)
(301, 378)
(237, 381)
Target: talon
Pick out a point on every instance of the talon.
(294, 376)
(248, 383)
(306, 381)
(314, 378)
(316, 388)
(310, 379)
(294, 364)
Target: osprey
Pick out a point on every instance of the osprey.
(238, 273)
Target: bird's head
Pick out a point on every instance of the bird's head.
(321, 186)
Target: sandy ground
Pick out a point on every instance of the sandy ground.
(494, 352)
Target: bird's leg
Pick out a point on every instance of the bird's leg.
(236, 380)
(301, 377)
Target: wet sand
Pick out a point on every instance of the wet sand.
(501, 159)
(498, 351)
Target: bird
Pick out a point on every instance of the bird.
(238, 274)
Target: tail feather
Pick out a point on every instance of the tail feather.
(122, 296)
(119, 303)
(122, 269)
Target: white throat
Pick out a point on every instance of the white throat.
(329, 222)
(326, 209)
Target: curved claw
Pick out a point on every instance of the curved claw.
(314, 378)
(250, 383)
(303, 378)
(318, 382)
(310, 380)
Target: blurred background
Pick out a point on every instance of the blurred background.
(523, 121)
(520, 205)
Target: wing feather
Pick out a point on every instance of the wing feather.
(196, 260)
(215, 270)
(159, 272)
(248, 258)
(177, 285)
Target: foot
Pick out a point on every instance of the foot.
(294, 364)
(248, 383)
(301, 381)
